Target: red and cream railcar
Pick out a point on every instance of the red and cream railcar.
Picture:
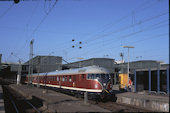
(91, 79)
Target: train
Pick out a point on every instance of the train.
(92, 79)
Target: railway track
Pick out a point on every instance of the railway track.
(115, 107)
(15, 103)
(111, 106)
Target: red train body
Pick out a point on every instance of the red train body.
(93, 79)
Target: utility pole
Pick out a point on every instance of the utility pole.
(121, 55)
(31, 62)
(128, 59)
(19, 68)
(19, 73)
(38, 85)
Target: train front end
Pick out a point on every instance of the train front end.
(101, 81)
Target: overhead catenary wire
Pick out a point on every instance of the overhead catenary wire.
(42, 20)
(27, 25)
(120, 19)
(36, 29)
(125, 36)
(127, 27)
(7, 10)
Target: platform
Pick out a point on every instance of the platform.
(2, 109)
(57, 102)
(144, 100)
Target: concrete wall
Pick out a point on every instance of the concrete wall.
(143, 64)
(146, 102)
(45, 63)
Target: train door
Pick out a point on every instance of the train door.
(74, 80)
(60, 81)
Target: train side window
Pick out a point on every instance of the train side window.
(82, 76)
(63, 78)
(57, 78)
(66, 78)
(74, 78)
(69, 78)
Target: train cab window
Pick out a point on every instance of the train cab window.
(90, 76)
(63, 78)
(69, 78)
(97, 76)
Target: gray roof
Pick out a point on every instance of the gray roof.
(88, 69)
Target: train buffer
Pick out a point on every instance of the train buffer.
(57, 102)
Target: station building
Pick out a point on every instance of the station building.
(146, 75)
(102, 62)
(44, 64)
(41, 64)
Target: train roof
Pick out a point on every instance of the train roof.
(83, 70)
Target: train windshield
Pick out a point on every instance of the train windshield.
(98, 76)
(105, 76)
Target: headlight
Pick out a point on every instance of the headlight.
(104, 84)
(95, 86)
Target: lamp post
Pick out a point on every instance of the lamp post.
(19, 68)
(128, 58)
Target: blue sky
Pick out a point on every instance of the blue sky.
(103, 27)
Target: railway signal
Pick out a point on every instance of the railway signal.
(77, 44)
(16, 1)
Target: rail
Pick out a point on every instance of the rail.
(32, 106)
(15, 103)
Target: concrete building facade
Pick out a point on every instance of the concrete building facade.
(102, 62)
(44, 64)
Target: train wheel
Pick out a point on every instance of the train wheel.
(103, 96)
